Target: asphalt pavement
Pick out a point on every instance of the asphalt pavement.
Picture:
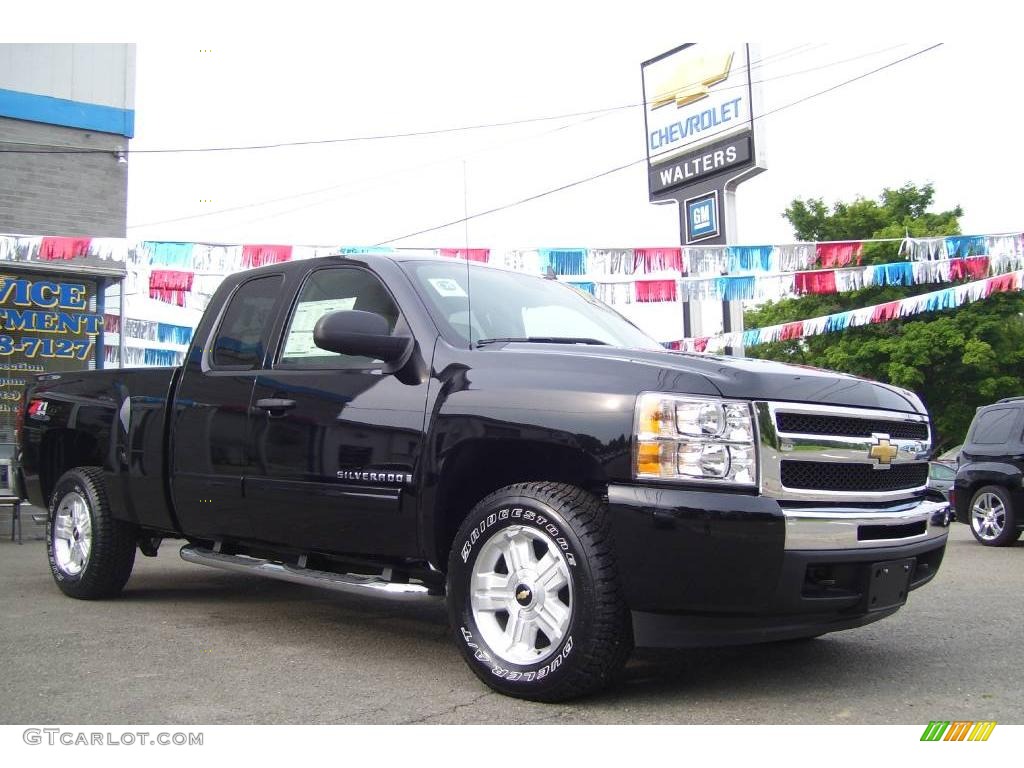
(186, 644)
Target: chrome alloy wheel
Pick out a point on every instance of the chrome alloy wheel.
(988, 516)
(521, 594)
(72, 533)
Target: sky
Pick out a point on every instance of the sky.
(243, 74)
(945, 117)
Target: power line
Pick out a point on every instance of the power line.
(369, 182)
(743, 85)
(644, 159)
(63, 149)
(596, 115)
(319, 142)
(359, 183)
(556, 130)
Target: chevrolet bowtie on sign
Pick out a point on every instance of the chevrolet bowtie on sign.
(692, 79)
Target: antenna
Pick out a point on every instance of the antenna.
(465, 221)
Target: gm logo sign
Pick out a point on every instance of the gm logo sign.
(702, 217)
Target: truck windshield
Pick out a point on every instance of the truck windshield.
(513, 306)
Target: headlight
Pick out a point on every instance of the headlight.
(694, 439)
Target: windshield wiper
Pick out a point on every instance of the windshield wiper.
(544, 340)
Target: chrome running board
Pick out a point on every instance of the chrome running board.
(352, 583)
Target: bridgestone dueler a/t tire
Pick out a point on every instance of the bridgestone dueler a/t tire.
(598, 640)
(112, 553)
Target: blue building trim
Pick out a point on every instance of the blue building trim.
(73, 114)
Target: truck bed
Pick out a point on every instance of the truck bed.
(115, 419)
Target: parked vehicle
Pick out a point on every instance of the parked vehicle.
(988, 490)
(950, 457)
(417, 428)
(941, 477)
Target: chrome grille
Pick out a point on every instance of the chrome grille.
(847, 426)
(836, 454)
(842, 476)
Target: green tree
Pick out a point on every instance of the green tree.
(956, 360)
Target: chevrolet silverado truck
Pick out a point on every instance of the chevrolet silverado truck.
(420, 428)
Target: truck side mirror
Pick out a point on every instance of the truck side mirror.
(354, 332)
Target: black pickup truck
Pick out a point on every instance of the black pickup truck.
(415, 428)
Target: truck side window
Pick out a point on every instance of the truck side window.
(331, 290)
(242, 337)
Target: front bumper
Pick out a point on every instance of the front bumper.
(858, 528)
(707, 568)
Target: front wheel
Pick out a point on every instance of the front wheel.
(533, 593)
(91, 553)
(993, 521)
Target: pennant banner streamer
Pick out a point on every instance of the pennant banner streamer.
(947, 298)
(183, 276)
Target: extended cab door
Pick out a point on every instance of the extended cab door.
(335, 442)
(209, 423)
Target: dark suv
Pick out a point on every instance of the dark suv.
(988, 491)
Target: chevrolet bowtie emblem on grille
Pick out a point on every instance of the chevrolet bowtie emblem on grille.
(692, 79)
(883, 451)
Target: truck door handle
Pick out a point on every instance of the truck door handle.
(274, 405)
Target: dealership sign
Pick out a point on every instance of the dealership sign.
(702, 134)
(698, 164)
(695, 95)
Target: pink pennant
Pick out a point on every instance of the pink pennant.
(655, 290)
(657, 259)
(57, 248)
(258, 255)
(471, 254)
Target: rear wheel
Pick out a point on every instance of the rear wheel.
(91, 553)
(993, 522)
(533, 593)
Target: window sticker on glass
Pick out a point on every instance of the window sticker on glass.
(300, 336)
(446, 287)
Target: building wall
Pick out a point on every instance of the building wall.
(90, 86)
(92, 73)
(50, 193)
(56, 97)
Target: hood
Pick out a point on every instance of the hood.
(748, 378)
(745, 377)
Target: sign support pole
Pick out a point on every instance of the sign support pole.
(702, 142)
(732, 311)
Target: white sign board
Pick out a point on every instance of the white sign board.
(694, 96)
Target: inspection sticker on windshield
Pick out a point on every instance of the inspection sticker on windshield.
(447, 287)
